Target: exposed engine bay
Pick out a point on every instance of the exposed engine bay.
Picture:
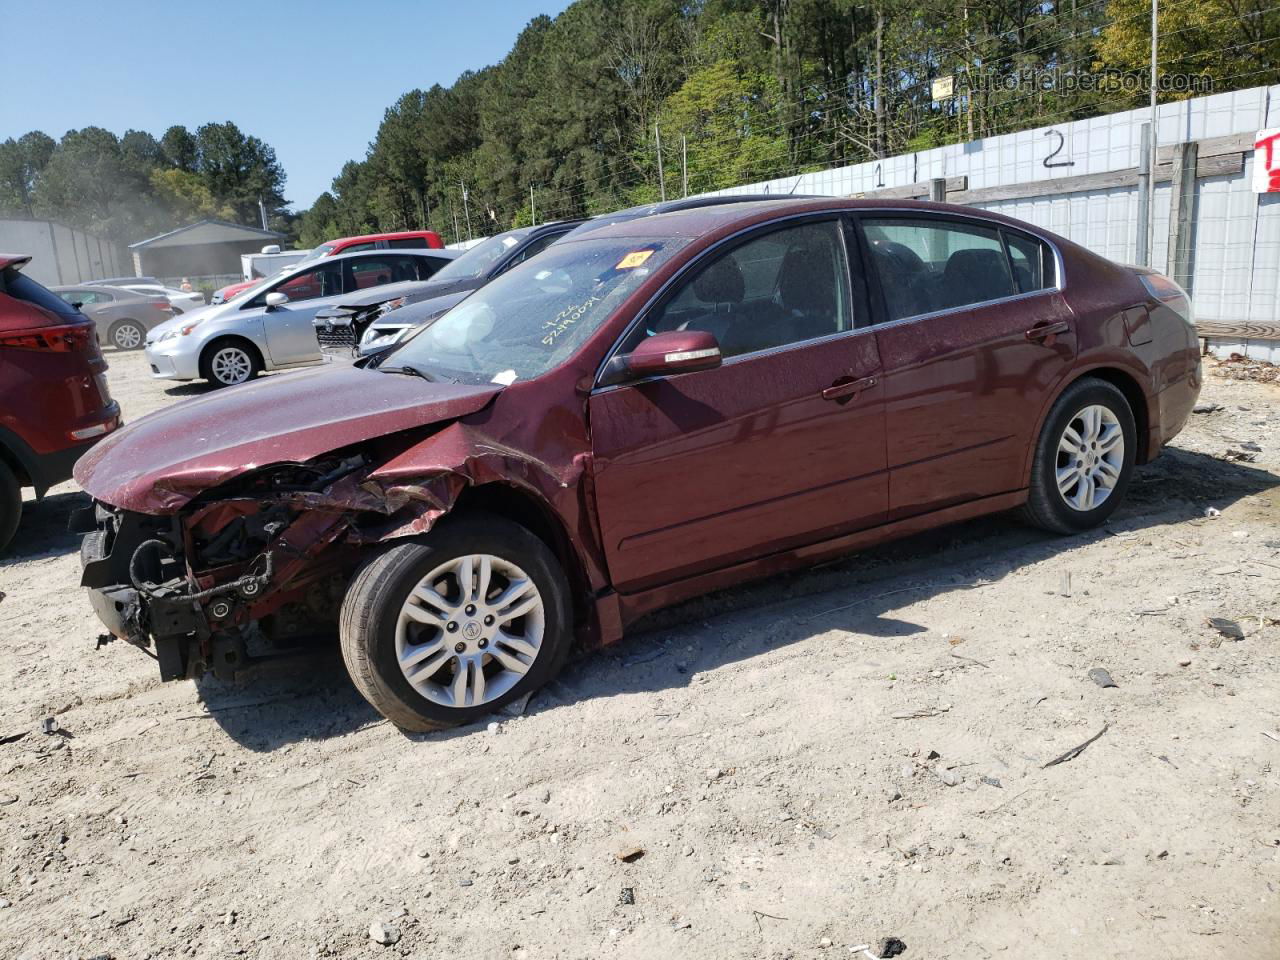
(232, 578)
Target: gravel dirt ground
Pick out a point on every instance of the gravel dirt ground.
(790, 770)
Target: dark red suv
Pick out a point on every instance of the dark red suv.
(54, 402)
(652, 410)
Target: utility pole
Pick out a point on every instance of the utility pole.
(533, 211)
(466, 210)
(262, 212)
(662, 184)
(1150, 225)
(684, 164)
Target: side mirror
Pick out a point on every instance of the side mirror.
(676, 351)
(275, 299)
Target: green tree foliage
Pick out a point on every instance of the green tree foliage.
(131, 187)
(758, 89)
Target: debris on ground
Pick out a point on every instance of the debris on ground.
(627, 897)
(1228, 628)
(383, 933)
(1075, 751)
(630, 854)
(1101, 677)
(920, 713)
(889, 947)
(50, 725)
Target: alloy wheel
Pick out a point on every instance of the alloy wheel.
(470, 630)
(127, 336)
(231, 365)
(1090, 458)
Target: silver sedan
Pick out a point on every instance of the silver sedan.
(268, 327)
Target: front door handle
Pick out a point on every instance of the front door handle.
(1048, 331)
(844, 390)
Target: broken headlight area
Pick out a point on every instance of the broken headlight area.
(250, 570)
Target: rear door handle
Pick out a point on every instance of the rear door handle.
(847, 389)
(1045, 331)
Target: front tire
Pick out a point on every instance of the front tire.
(230, 361)
(128, 335)
(1084, 458)
(10, 505)
(443, 631)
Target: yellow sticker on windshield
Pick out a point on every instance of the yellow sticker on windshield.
(634, 259)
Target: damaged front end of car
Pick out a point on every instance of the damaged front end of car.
(250, 570)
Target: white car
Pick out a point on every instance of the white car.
(180, 301)
(268, 327)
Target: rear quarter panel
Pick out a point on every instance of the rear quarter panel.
(1098, 293)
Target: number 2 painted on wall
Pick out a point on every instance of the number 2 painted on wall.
(1057, 150)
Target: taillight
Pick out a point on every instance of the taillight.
(1170, 294)
(162, 305)
(61, 339)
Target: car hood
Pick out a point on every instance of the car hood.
(411, 290)
(420, 311)
(203, 313)
(159, 463)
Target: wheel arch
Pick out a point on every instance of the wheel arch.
(238, 339)
(111, 327)
(1123, 380)
(522, 507)
(17, 464)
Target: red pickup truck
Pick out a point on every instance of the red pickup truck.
(408, 240)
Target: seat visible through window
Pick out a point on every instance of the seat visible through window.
(784, 287)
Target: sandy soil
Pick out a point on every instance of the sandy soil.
(753, 745)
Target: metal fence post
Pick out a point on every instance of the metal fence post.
(1181, 212)
(938, 189)
(1142, 256)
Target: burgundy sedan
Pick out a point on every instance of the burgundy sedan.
(660, 408)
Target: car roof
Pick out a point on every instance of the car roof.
(123, 292)
(303, 265)
(670, 206)
(696, 222)
(380, 236)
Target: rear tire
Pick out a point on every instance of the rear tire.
(1083, 460)
(230, 361)
(10, 505)
(450, 635)
(128, 335)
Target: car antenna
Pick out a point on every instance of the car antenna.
(796, 185)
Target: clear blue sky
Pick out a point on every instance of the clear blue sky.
(312, 79)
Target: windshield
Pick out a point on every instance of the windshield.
(477, 261)
(536, 316)
(321, 251)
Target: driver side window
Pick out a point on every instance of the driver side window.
(323, 281)
(787, 286)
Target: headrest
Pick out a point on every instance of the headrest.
(721, 282)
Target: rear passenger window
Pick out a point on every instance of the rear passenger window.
(407, 243)
(930, 265)
(1032, 263)
(785, 287)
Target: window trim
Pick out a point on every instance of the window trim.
(910, 213)
(253, 303)
(740, 238)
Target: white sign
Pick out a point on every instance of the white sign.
(1266, 161)
(943, 88)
